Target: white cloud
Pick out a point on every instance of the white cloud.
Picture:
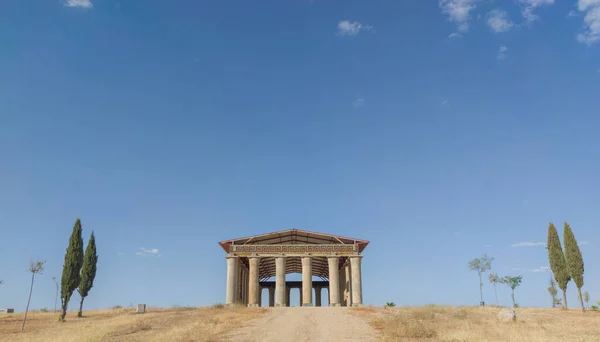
(445, 102)
(572, 14)
(359, 102)
(498, 21)
(502, 52)
(79, 3)
(528, 244)
(147, 252)
(458, 12)
(455, 35)
(591, 21)
(534, 270)
(351, 28)
(528, 6)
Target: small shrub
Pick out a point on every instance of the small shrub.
(116, 307)
(44, 310)
(516, 305)
(182, 308)
(218, 306)
(390, 304)
(594, 307)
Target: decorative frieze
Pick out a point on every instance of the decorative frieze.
(294, 249)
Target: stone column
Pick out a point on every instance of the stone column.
(348, 287)
(342, 275)
(245, 279)
(317, 296)
(232, 271)
(253, 286)
(271, 297)
(356, 280)
(334, 282)
(306, 290)
(287, 297)
(280, 299)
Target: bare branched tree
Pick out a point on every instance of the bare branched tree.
(35, 267)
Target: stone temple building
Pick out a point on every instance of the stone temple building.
(252, 261)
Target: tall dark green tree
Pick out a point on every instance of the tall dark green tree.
(558, 263)
(574, 260)
(88, 272)
(71, 268)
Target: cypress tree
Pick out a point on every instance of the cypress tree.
(71, 268)
(558, 263)
(88, 271)
(574, 260)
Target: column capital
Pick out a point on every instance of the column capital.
(255, 257)
(355, 256)
(333, 257)
(231, 257)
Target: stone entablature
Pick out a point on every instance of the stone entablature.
(293, 250)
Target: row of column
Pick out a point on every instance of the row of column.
(317, 289)
(345, 284)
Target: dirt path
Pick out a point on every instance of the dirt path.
(307, 325)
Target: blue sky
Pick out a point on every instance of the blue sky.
(437, 130)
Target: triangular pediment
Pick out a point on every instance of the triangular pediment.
(294, 237)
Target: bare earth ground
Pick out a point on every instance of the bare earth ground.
(429, 323)
(304, 324)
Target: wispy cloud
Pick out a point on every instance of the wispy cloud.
(528, 6)
(591, 21)
(502, 52)
(445, 102)
(79, 3)
(455, 35)
(498, 21)
(534, 270)
(147, 252)
(351, 28)
(458, 12)
(540, 269)
(359, 102)
(528, 244)
(572, 14)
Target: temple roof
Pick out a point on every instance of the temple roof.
(294, 237)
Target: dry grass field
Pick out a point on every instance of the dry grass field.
(429, 323)
(179, 324)
(438, 323)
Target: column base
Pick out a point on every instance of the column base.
(280, 305)
(307, 304)
(357, 305)
(253, 305)
(335, 304)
